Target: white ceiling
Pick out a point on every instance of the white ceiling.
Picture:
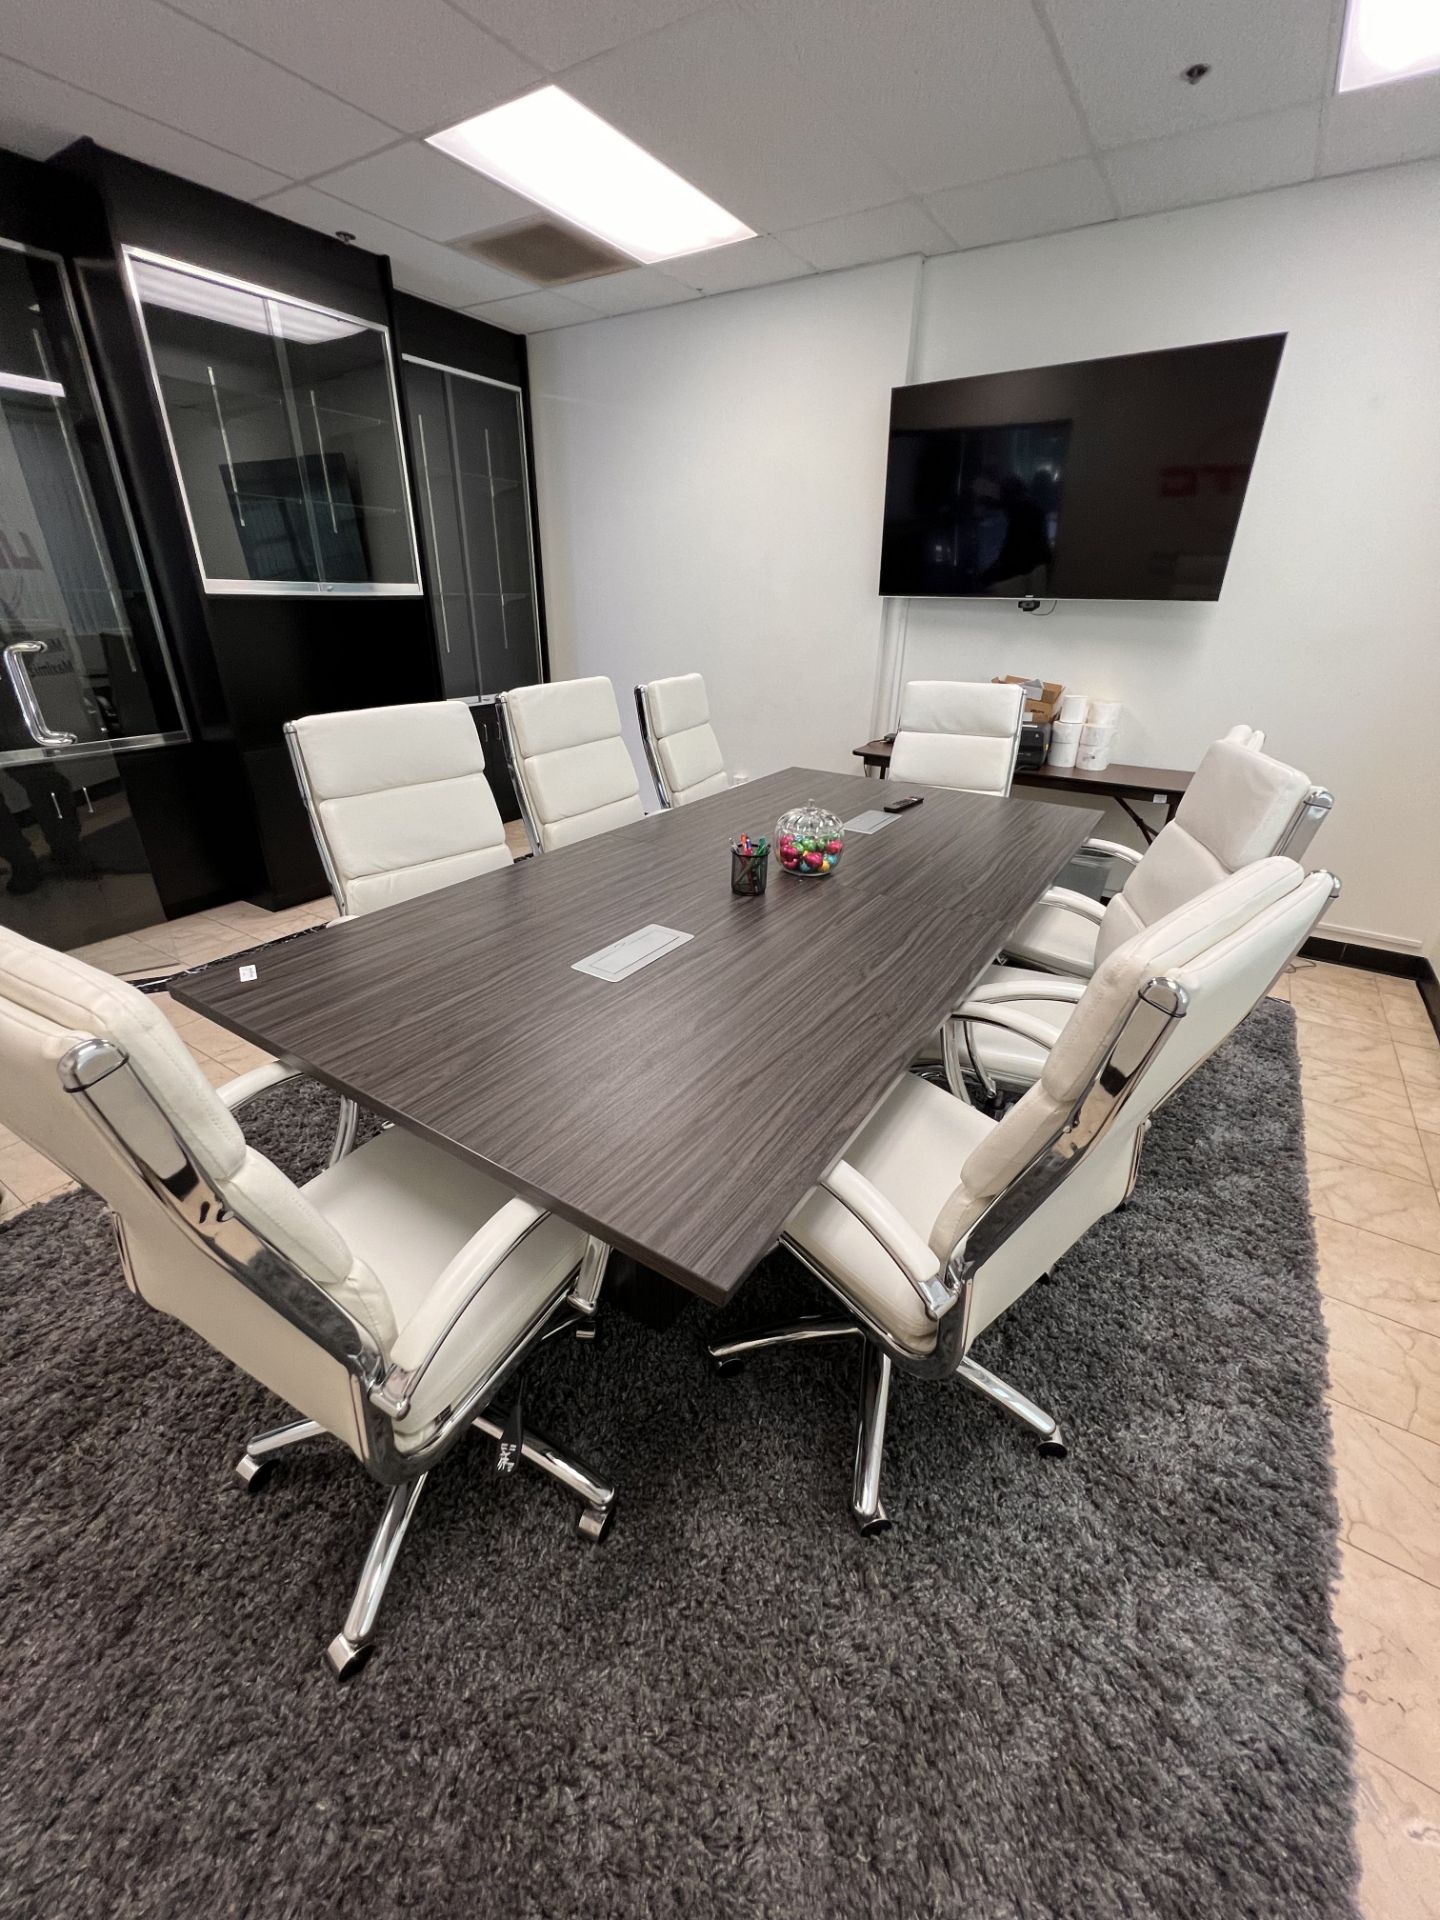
(843, 131)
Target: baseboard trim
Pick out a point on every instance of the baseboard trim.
(1402, 966)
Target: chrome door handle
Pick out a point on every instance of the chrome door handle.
(23, 688)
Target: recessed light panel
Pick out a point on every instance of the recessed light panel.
(559, 154)
(1389, 40)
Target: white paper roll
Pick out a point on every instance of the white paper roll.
(1065, 731)
(1092, 756)
(1062, 752)
(1073, 706)
(1103, 713)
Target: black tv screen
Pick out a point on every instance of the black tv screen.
(1115, 479)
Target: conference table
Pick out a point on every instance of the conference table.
(678, 1114)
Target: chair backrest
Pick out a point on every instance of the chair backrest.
(398, 800)
(1156, 1008)
(685, 758)
(958, 733)
(1241, 806)
(93, 1075)
(572, 770)
(1246, 736)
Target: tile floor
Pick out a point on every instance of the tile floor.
(1370, 1067)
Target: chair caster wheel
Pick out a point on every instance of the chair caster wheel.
(344, 1658)
(252, 1473)
(1054, 1448)
(594, 1523)
(878, 1523)
(727, 1366)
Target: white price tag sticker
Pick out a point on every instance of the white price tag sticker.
(247, 973)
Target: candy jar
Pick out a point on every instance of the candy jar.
(809, 841)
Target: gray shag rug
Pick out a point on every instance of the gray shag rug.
(1105, 1686)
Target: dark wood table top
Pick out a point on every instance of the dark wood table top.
(1136, 783)
(682, 1113)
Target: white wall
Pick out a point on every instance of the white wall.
(1327, 631)
(711, 479)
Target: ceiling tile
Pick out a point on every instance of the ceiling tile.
(561, 33)
(417, 67)
(427, 192)
(718, 102)
(1212, 163)
(883, 233)
(1047, 200)
(143, 56)
(419, 266)
(942, 91)
(1382, 126)
(1127, 59)
(39, 115)
(630, 291)
(748, 263)
(534, 312)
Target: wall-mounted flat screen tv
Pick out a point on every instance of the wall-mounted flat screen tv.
(1115, 479)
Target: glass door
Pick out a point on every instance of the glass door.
(84, 676)
(468, 436)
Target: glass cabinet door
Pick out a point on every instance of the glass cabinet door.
(285, 433)
(84, 677)
(82, 659)
(468, 438)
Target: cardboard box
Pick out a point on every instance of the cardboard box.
(1043, 710)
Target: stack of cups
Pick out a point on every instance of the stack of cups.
(1066, 728)
(1097, 736)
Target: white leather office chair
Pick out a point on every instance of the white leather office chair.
(1240, 806)
(1246, 736)
(938, 1219)
(399, 806)
(958, 733)
(397, 799)
(680, 745)
(572, 771)
(388, 1300)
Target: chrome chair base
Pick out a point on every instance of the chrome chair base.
(876, 1374)
(354, 1643)
(597, 1497)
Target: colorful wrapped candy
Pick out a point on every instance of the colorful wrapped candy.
(809, 841)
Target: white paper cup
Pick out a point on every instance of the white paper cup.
(1103, 713)
(1062, 752)
(1073, 707)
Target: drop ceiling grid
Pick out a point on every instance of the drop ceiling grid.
(842, 131)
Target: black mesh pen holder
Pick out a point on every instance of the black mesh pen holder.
(749, 865)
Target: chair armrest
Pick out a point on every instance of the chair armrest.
(1069, 901)
(1025, 1024)
(245, 1087)
(442, 1309)
(1116, 849)
(885, 1223)
(998, 993)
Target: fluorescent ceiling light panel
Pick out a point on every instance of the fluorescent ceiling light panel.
(558, 153)
(1389, 40)
(27, 383)
(159, 286)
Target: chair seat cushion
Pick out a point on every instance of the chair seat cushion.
(406, 1209)
(1055, 940)
(912, 1148)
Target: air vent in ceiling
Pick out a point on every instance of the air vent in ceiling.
(545, 251)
